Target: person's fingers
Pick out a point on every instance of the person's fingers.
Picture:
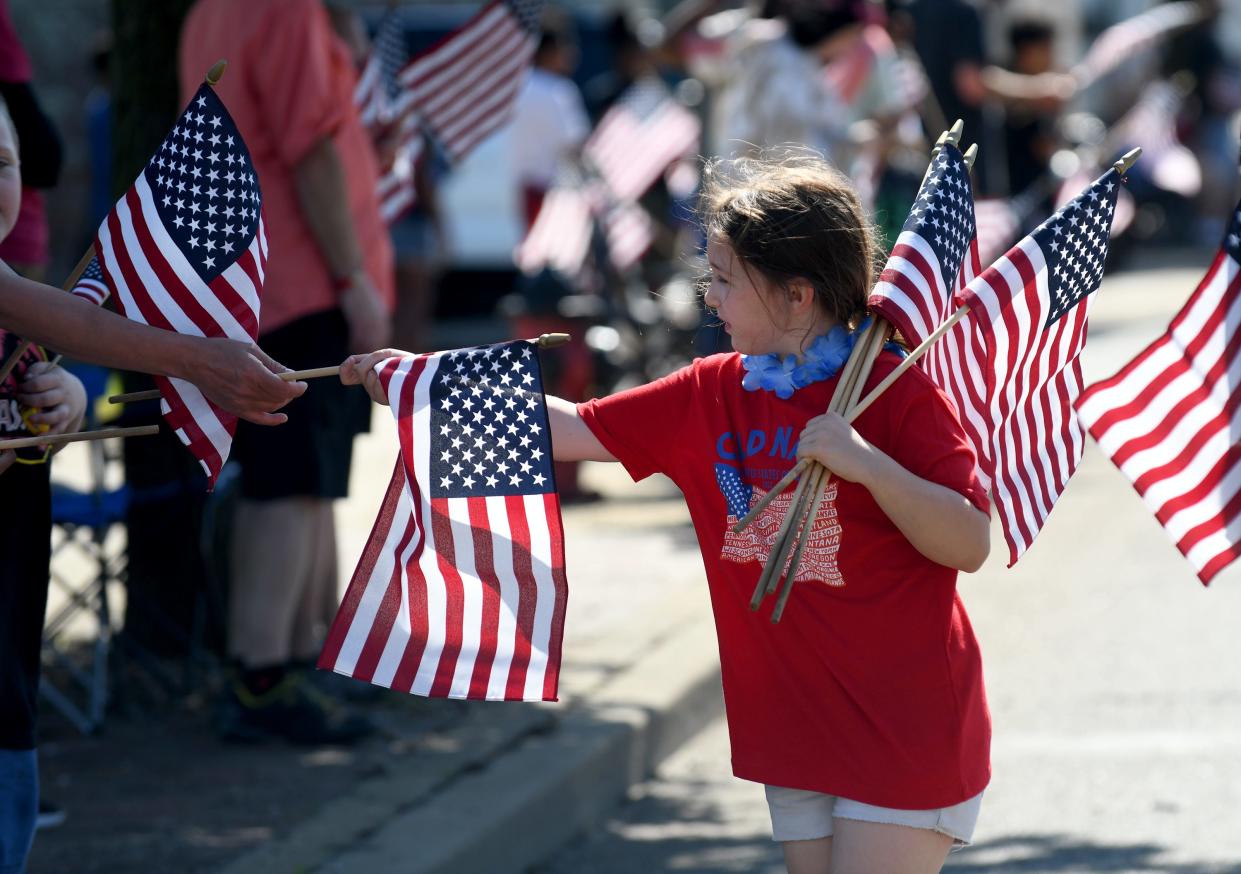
(265, 418)
(40, 383)
(43, 399)
(7, 457)
(54, 417)
(270, 363)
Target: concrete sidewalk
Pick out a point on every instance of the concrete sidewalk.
(640, 675)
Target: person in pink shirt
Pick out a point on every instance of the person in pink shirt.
(328, 291)
(25, 249)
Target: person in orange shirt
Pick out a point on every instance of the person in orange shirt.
(328, 290)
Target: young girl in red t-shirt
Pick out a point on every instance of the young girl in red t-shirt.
(863, 710)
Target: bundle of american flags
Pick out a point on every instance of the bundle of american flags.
(1169, 419)
(461, 589)
(184, 250)
(1011, 364)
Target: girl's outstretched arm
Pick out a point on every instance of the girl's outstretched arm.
(571, 439)
(941, 524)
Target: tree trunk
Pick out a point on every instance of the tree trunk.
(166, 563)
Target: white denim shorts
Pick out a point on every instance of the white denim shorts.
(801, 815)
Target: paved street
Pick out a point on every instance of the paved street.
(1113, 680)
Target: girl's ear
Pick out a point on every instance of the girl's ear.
(801, 294)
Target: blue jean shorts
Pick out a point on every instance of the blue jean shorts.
(801, 815)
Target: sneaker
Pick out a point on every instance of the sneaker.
(50, 815)
(292, 710)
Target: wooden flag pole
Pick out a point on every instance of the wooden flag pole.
(875, 340)
(78, 436)
(543, 341)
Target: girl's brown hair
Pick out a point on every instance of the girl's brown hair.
(790, 217)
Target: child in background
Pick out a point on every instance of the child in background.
(43, 398)
(862, 712)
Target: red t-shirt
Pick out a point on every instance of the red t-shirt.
(870, 687)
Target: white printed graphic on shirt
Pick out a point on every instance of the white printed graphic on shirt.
(818, 562)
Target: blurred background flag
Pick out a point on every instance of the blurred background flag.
(1128, 38)
(461, 590)
(91, 285)
(1151, 124)
(377, 94)
(1030, 309)
(639, 137)
(184, 250)
(1171, 418)
(463, 88)
(388, 111)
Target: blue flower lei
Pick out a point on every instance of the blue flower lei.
(822, 359)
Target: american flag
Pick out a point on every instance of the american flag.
(91, 286)
(561, 234)
(935, 257)
(645, 131)
(572, 216)
(1123, 41)
(388, 113)
(378, 94)
(1170, 417)
(464, 87)
(1030, 310)
(461, 590)
(184, 249)
(935, 253)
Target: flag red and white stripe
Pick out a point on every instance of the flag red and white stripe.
(1169, 419)
(458, 596)
(91, 286)
(645, 132)
(464, 87)
(184, 249)
(1030, 312)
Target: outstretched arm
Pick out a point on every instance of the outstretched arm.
(571, 439)
(237, 376)
(941, 524)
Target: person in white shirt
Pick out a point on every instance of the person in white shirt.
(549, 118)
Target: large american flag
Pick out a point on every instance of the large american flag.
(184, 250)
(1170, 418)
(464, 87)
(388, 111)
(645, 131)
(461, 589)
(1030, 310)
